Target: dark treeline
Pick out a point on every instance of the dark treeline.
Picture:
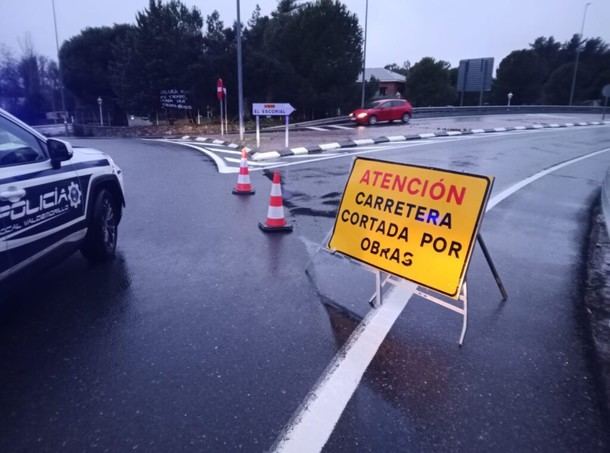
(308, 54)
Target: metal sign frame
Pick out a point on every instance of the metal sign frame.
(458, 305)
(285, 110)
(381, 281)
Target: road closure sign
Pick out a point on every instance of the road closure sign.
(417, 223)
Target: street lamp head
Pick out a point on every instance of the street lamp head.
(99, 100)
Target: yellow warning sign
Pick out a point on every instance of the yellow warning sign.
(418, 223)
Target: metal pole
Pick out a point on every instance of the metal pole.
(492, 267)
(61, 78)
(604, 111)
(286, 137)
(222, 133)
(240, 81)
(226, 112)
(366, 18)
(582, 29)
(258, 132)
(99, 103)
(378, 300)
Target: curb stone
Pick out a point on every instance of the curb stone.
(316, 149)
(322, 147)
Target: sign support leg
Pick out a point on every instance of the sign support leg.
(378, 300)
(322, 244)
(464, 298)
(492, 267)
(287, 122)
(258, 132)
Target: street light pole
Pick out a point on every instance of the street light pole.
(582, 29)
(366, 17)
(99, 103)
(240, 81)
(61, 78)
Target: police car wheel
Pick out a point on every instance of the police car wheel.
(100, 242)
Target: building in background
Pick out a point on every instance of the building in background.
(390, 83)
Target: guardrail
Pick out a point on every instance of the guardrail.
(432, 112)
(429, 112)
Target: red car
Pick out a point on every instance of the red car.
(383, 110)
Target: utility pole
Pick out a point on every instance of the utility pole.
(582, 29)
(366, 17)
(240, 81)
(61, 78)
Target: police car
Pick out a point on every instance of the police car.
(54, 199)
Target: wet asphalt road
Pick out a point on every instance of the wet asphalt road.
(206, 335)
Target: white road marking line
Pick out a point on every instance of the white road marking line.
(521, 184)
(499, 129)
(250, 163)
(478, 131)
(451, 133)
(220, 163)
(215, 149)
(336, 126)
(427, 135)
(318, 129)
(307, 156)
(396, 138)
(314, 421)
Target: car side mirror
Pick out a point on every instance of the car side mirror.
(59, 151)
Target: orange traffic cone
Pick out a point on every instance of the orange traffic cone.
(275, 215)
(243, 186)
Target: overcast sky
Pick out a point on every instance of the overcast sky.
(399, 30)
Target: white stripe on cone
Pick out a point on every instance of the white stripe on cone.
(275, 212)
(276, 190)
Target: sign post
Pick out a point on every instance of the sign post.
(224, 93)
(272, 109)
(220, 95)
(415, 223)
(475, 75)
(606, 95)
